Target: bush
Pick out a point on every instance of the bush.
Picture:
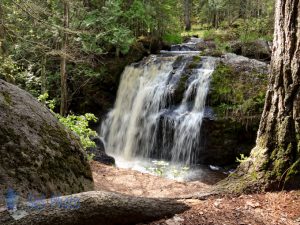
(78, 124)
(254, 29)
(172, 38)
(11, 72)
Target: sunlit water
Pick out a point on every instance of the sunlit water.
(172, 171)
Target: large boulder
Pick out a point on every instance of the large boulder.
(258, 49)
(242, 64)
(37, 154)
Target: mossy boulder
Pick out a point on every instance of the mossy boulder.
(258, 49)
(37, 154)
(236, 97)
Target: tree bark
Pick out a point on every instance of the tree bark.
(63, 72)
(275, 161)
(187, 15)
(43, 75)
(2, 32)
(96, 208)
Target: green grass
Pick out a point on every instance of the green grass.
(173, 38)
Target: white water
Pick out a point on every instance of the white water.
(145, 124)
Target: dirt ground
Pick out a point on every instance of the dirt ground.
(130, 182)
(260, 209)
(282, 208)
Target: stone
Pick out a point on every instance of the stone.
(244, 64)
(258, 49)
(225, 136)
(99, 152)
(38, 155)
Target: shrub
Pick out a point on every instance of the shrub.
(79, 124)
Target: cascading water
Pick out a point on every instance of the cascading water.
(159, 109)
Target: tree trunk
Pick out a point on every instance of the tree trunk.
(215, 19)
(243, 9)
(87, 4)
(2, 32)
(43, 75)
(94, 208)
(63, 72)
(187, 15)
(275, 161)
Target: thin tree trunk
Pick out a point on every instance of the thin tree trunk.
(63, 70)
(215, 19)
(2, 32)
(87, 4)
(187, 15)
(43, 76)
(275, 161)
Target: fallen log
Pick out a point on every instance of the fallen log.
(92, 208)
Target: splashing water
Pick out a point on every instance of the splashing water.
(147, 121)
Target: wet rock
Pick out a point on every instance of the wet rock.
(99, 152)
(258, 49)
(223, 140)
(205, 45)
(244, 64)
(37, 153)
(235, 102)
(192, 44)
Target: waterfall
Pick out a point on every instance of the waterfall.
(159, 109)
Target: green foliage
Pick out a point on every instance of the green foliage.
(254, 29)
(31, 41)
(80, 125)
(90, 157)
(159, 167)
(220, 37)
(11, 72)
(162, 168)
(172, 38)
(8, 69)
(49, 103)
(247, 20)
(106, 30)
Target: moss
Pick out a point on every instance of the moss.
(238, 95)
(293, 170)
(196, 58)
(7, 98)
(180, 89)
(63, 138)
(254, 175)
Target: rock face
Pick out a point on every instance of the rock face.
(245, 64)
(235, 103)
(99, 152)
(258, 49)
(37, 154)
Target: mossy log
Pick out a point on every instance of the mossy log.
(96, 208)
